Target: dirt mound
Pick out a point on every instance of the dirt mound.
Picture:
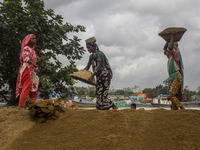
(110, 129)
(44, 110)
(12, 124)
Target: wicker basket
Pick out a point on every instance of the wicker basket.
(83, 75)
(166, 34)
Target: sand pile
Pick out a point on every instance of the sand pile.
(12, 124)
(44, 110)
(141, 129)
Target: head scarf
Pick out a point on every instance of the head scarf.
(96, 48)
(92, 42)
(25, 42)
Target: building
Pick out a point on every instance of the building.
(136, 89)
(142, 97)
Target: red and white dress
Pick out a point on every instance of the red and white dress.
(27, 54)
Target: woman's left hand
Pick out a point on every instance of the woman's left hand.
(91, 77)
(36, 69)
(173, 32)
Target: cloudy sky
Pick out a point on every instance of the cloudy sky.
(127, 32)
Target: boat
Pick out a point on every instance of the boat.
(163, 102)
(84, 103)
(193, 103)
(160, 105)
(92, 103)
(138, 104)
(121, 104)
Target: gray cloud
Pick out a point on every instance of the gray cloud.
(127, 32)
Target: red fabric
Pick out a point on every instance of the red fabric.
(26, 54)
(26, 88)
(174, 55)
(25, 42)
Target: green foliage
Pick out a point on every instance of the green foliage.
(154, 92)
(92, 93)
(120, 92)
(198, 93)
(166, 82)
(17, 21)
(151, 93)
(128, 93)
(111, 93)
(189, 93)
(81, 92)
(162, 89)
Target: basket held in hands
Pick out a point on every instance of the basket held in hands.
(83, 75)
(166, 34)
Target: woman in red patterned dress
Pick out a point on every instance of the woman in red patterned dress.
(27, 81)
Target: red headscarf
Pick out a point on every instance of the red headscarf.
(25, 42)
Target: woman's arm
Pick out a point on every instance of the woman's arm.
(172, 51)
(88, 66)
(98, 67)
(96, 70)
(171, 46)
(165, 47)
(32, 63)
(26, 56)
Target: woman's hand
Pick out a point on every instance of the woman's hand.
(173, 32)
(165, 46)
(34, 65)
(165, 51)
(91, 77)
(88, 66)
(172, 40)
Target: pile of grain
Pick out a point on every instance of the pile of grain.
(94, 129)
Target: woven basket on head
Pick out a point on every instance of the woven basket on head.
(83, 75)
(166, 34)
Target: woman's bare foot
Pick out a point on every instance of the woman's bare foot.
(182, 107)
(115, 107)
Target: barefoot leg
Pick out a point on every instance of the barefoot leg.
(115, 107)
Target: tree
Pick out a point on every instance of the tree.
(129, 93)
(120, 92)
(151, 93)
(159, 87)
(92, 93)
(166, 82)
(188, 93)
(81, 92)
(16, 21)
(111, 93)
(198, 93)
(162, 89)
